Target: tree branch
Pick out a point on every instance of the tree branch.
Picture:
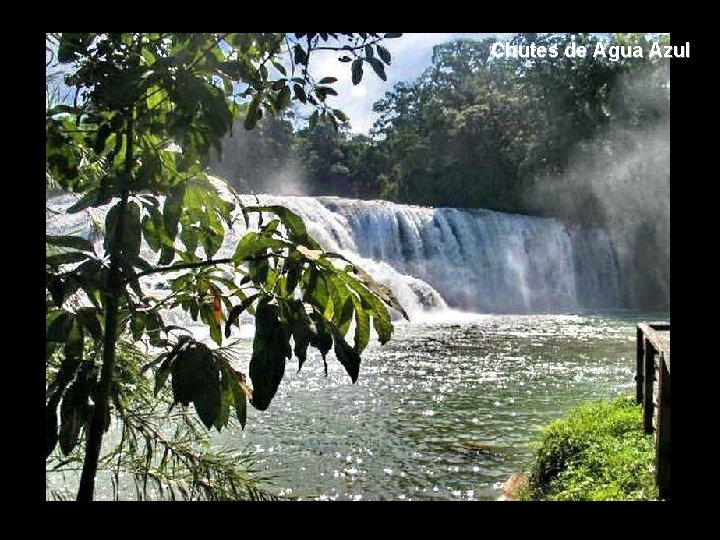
(184, 266)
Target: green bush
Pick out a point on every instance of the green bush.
(599, 452)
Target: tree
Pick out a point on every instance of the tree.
(147, 111)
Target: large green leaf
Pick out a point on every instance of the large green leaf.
(270, 349)
(362, 326)
(196, 378)
(171, 216)
(292, 222)
(252, 243)
(239, 397)
(57, 325)
(131, 234)
(302, 329)
(378, 67)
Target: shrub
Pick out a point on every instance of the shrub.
(599, 452)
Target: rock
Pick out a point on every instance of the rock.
(514, 484)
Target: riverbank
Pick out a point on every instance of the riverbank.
(598, 452)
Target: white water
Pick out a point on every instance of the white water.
(441, 259)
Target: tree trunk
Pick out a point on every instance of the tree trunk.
(115, 287)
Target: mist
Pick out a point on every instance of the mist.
(620, 181)
(261, 160)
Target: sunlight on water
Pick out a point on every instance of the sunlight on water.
(443, 411)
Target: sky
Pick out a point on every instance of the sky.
(411, 55)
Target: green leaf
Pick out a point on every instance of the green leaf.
(315, 289)
(347, 356)
(371, 303)
(58, 325)
(70, 425)
(236, 311)
(283, 99)
(153, 231)
(345, 59)
(252, 243)
(327, 80)
(343, 317)
(357, 71)
(90, 319)
(323, 91)
(390, 36)
(215, 332)
(162, 374)
(196, 378)
(362, 325)
(239, 399)
(299, 92)
(171, 216)
(381, 291)
(320, 336)
(378, 67)
(57, 288)
(131, 234)
(65, 258)
(301, 333)
(300, 55)
(384, 54)
(270, 349)
(75, 409)
(292, 222)
(226, 398)
(75, 242)
(340, 115)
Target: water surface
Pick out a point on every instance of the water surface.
(445, 410)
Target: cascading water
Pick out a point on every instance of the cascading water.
(439, 258)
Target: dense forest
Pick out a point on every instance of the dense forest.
(472, 131)
(580, 139)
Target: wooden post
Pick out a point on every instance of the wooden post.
(639, 366)
(662, 440)
(649, 376)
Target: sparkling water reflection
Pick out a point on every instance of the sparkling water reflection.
(443, 411)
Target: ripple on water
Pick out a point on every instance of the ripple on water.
(442, 411)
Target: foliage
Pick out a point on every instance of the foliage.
(147, 110)
(473, 131)
(599, 452)
(153, 453)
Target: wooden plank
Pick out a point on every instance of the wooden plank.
(659, 326)
(649, 375)
(659, 342)
(662, 449)
(639, 366)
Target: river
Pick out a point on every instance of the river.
(449, 408)
(445, 410)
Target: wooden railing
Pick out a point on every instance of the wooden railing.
(653, 370)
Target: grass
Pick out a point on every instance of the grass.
(597, 453)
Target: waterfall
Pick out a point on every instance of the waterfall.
(439, 258)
